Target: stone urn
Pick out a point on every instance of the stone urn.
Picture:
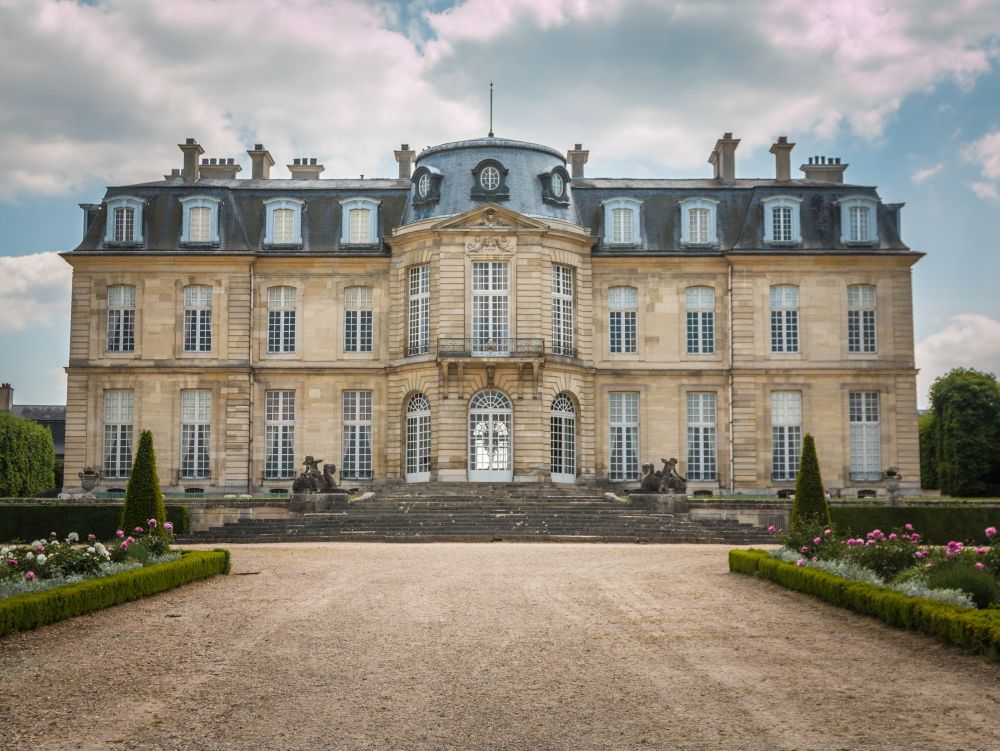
(892, 479)
(90, 478)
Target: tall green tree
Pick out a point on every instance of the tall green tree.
(143, 497)
(27, 457)
(810, 505)
(966, 407)
(928, 449)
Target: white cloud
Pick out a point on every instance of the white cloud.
(34, 290)
(970, 340)
(985, 154)
(985, 190)
(922, 175)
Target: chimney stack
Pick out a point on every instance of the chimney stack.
(305, 168)
(219, 169)
(6, 397)
(405, 156)
(260, 162)
(782, 151)
(192, 150)
(825, 169)
(577, 157)
(723, 158)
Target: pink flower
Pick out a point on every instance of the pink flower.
(53, 534)
(800, 562)
(991, 532)
(119, 534)
(12, 561)
(124, 545)
(892, 535)
(804, 549)
(91, 537)
(168, 526)
(138, 530)
(982, 551)
(817, 540)
(827, 532)
(908, 527)
(772, 528)
(151, 522)
(921, 554)
(980, 566)
(30, 576)
(130, 539)
(915, 536)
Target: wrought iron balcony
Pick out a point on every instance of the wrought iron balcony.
(484, 347)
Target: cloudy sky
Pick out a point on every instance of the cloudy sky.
(99, 93)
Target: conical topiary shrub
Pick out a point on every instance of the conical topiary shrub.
(143, 497)
(810, 506)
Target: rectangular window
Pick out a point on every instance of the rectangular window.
(562, 311)
(418, 342)
(117, 434)
(284, 227)
(623, 303)
(121, 319)
(490, 307)
(280, 320)
(279, 435)
(861, 319)
(859, 224)
(356, 463)
(700, 320)
(196, 433)
(200, 224)
(784, 318)
(361, 226)
(698, 224)
(124, 225)
(781, 221)
(702, 463)
(866, 443)
(624, 435)
(621, 230)
(786, 434)
(197, 319)
(358, 319)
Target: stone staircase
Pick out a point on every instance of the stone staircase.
(484, 513)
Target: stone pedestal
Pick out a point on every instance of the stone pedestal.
(662, 503)
(317, 503)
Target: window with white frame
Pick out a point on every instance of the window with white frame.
(623, 416)
(358, 319)
(356, 462)
(700, 303)
(359, 222)
(196, 433)
(117, 433)
(861, 318)
(200, 222)
(858, 223)
(621, 221)
(490, 307)
(784, 318)
(283, 221)
(698, 221)
(623, 304)
(280, 320)
(121, 318)
(781, 220)
(702, 463)
(866, 441)
(124, 223)
(418, 340)
(279, 435)
(197, 318)
(786, 434)
(562, 311)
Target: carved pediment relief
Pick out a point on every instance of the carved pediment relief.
(490, 217)
(491, 245)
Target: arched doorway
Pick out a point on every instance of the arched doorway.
(562, 439)
(490, 438)
(418, 439)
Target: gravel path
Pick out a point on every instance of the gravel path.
(488, 646)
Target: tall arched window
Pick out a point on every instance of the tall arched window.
(491, 426)
(418, 439)
(562, 439)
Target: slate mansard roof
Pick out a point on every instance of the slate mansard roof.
(740, 213)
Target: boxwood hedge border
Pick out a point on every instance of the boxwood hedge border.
(33, 609)
(973, 631)
(20, 521)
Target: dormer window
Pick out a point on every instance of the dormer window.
(781, 220)
(621, 221)
(858, 220)
(698, 222)
(200, 224)
(554, 186)
(359, 222)
(426, 185)
(490, 181)
(124, 221)
(283, 225)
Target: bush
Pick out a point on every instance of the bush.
(979, 584)
(885, 557)
(27, 457)
(937, 524)
(810, 505)
(24, 522)
(928, 447)
(143, 497)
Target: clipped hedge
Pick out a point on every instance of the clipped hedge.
(27, 457)
(27, 611)
(31, 522)
(937, 525)
(975, 631)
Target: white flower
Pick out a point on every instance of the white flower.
(37, 543)
(91, 549)
(73, 537)
(30, 556)
(4, 551)
(41, 559)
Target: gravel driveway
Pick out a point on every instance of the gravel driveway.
(488, 646)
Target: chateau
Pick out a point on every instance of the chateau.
(493, 314)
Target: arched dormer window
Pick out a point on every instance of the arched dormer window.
(200, 224)
(621, 221)
(698, 222)
(489, 181)
(359, 222)
(858, 220)
(555, 186)
(781, 220)
(124, 220)
(283, 224)
(426, 185)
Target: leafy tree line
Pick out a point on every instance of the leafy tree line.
(27, 457)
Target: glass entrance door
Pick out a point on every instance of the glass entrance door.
(490, 438)
(562, 439)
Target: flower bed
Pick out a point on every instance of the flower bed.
(20, 520)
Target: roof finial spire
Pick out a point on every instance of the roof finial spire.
(491, 109)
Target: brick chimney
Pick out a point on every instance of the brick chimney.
(782, 151)
(219, 169)
(723, 158)
(405, 156)
(260, 162)
(305, 168)
(825, 168)
(577, 157)
(192, 150)
(6, 397)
